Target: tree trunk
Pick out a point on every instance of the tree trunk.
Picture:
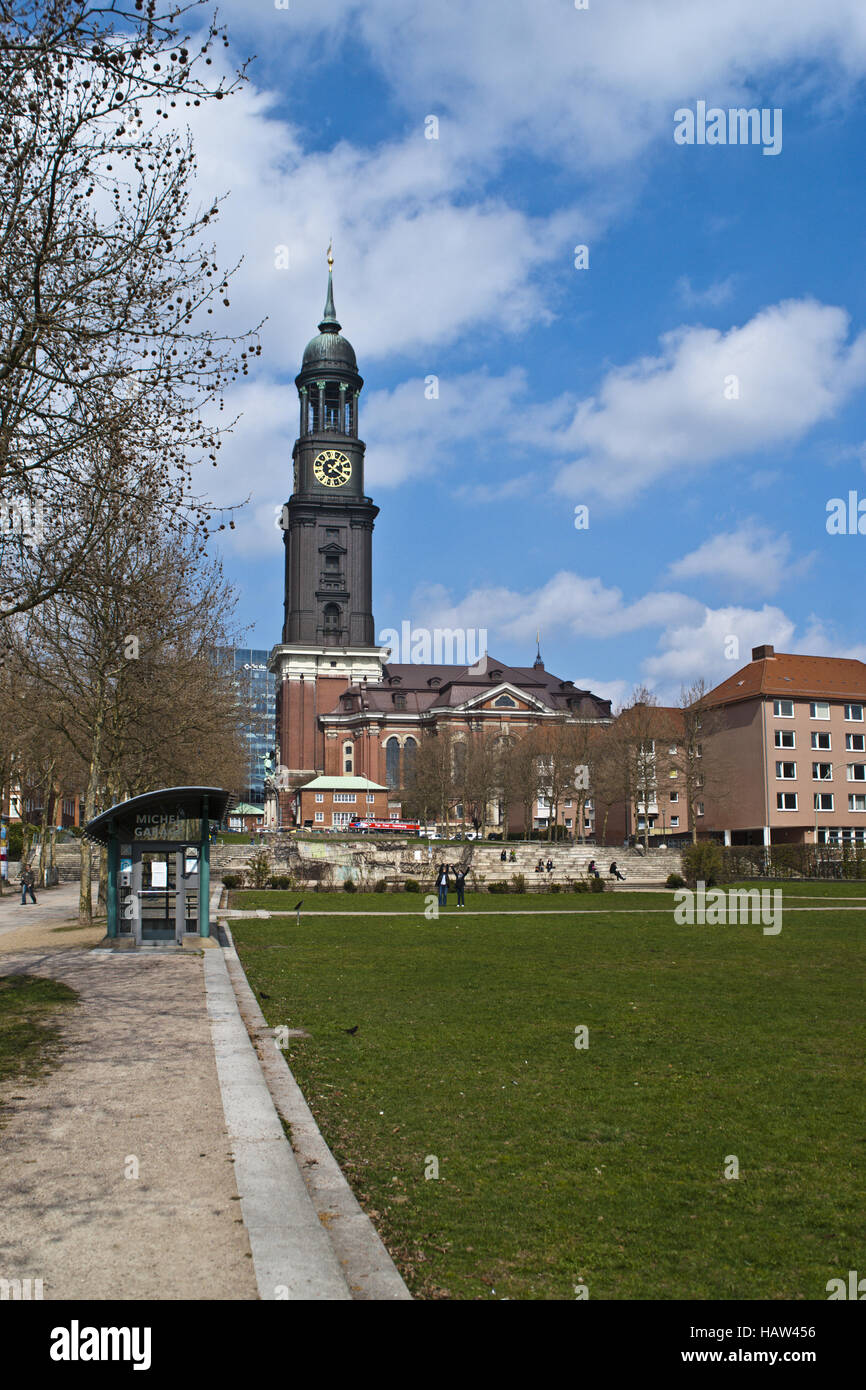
(85, 895)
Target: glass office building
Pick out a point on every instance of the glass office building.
(257, 697)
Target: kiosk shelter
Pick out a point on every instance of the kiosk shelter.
(159, 862)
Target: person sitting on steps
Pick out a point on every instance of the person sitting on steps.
(615, 873)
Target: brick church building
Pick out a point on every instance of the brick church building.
(344, 708)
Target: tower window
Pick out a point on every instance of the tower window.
(331, 621)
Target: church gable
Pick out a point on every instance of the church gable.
(504, 698)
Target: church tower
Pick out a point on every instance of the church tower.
(328, 628)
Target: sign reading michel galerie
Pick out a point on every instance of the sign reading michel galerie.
(167, 826)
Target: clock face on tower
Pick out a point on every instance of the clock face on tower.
(332, 469)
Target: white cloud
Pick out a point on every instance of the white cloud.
(751, 558)
(587, 89)
(567, 603)
(694, 649)
(793, 365)
(408, 434)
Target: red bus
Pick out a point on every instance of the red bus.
(401, 827)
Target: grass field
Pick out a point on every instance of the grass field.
(29, 1035)
(602, 1166)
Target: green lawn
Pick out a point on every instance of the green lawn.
(277, 900)
(603, 1166)
(29, 1035)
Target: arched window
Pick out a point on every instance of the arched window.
(409, 749)
(392, 762)
(459, 759)
(348, 758)
(504, 702)
(331, 622)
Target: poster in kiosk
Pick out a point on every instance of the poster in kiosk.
(159, 862)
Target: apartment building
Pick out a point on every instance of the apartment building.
(788, 739)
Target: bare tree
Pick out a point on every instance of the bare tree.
(125, 668)
(107, 288)
(697, 754)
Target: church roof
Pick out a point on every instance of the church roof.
(427, 687)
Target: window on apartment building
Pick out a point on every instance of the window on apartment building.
(823, 801)
(857, 802)
(320, 815)
(856, 772)
(819, 709)
(855, 743)
(320, 796)
(568, 804)
(699, 750)
(783, 709)
(821, 741)
(371, 798)
(344, 796)
(675, 820)
(786, 801)
(568, 824)
(587, 824)
(786, 738)
(348, 757)
(675, 796)
(854, 713)
(822, 772)
(672, 750)
(699, 809)
(786, 771)
(673, 772)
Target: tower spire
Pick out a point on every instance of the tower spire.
(538, 663)
(329, 323)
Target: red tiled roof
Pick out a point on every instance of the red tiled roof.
(786, 674)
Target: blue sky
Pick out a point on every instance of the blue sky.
(558, 386)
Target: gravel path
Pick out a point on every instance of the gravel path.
(137, 1084)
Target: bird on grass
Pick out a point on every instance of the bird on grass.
(262, 995)
(352, 1031)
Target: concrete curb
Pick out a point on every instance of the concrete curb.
(368, 1268)
(292, 1255)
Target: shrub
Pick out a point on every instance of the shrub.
(380, 886)
(675, 881)
(580, 885)
(280, 881)
(519, 881)
(233, 880)
(703, 863)
(412, 886)
(597, 885)
(554, 888)
(259, 868)
(349, 886)
(498, 886)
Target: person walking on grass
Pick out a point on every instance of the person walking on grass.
(28, 879)
(442, 885)
(460, 884)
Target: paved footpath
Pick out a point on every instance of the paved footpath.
(120, 1170)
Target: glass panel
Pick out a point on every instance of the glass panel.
(158, 895)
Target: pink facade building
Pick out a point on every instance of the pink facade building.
(786, 745)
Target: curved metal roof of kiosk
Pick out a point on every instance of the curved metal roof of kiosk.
(171, 802)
